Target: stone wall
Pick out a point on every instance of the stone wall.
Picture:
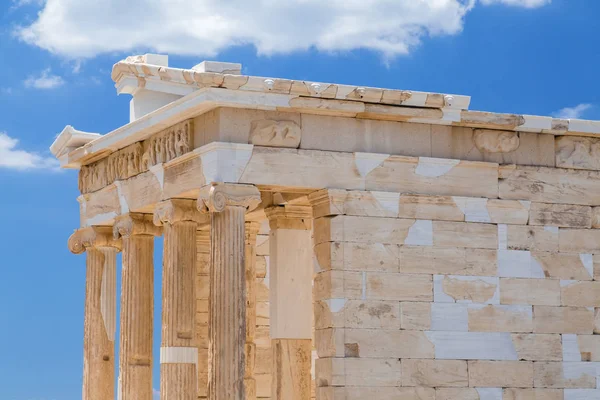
(424, 297)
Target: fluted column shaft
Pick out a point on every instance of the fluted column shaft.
(290, 271)
(99, 311)
(227, 324)
(250, 347)
(137, 306)
(178, 352)
(202, 311)
(227, 204)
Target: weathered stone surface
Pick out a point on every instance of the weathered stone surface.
(372, 204)
(544, 292)
(561, 215)
(441, 208)
(493, 141)
(589, 347)
(447, 261)
(579, 375)
(466, 289)
(548, 319)
(403, 287)
(579, 240)
(457, 393)
(379, 393)
(532, 394)
(538, 347)
(291, 377)
(595, 217)
(345, 228)
(531, 238)
(461, 234)
(435, 176)
(501, 373)
(578, 152)
(456, 142)
(379, 343)
(565, 265)
(357, 256)
(580, 294)
(335, 284)
(472, 345)
(434, 373)
(550, 185)
(374, 314)
(415, 316)
(275, 133)
(498, 318)
(352, 372)
(597, 320)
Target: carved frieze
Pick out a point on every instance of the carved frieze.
(121, 164)
(271, 133)
(166, 145)
(493, 141)
(577, 152)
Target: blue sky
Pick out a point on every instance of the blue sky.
(527, 56)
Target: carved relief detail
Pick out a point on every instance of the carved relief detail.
(578, 152)
(218, 196)
(176, 210)
(96, 236)
(135, 224)
(137, 158)
(492, 141)
(121, 164)
(267, 132)
(168, 144)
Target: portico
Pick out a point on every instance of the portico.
(335, 241)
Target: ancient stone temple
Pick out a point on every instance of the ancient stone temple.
(335, 242)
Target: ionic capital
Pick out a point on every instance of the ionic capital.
(218, 196)
(290, 217)
(177, 210)
(135, 224)
(93, 236)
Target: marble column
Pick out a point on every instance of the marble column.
(178, 353)
(290, 272)
(227, 204)
(252, 228)
(202, 289)
(99, 310)
(137, 305)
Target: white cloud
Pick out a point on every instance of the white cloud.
(44, 81)
(155, 394)
(572, 112)
(11, 157)
(86, 28)
(519, 3)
